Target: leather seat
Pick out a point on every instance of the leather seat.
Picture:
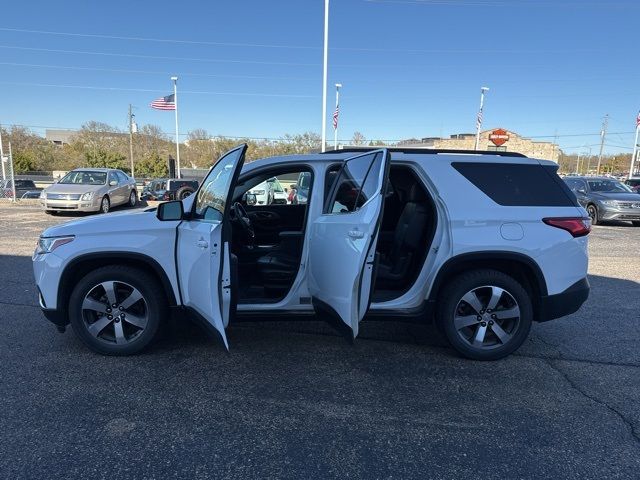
(408, 238)
(278, 269)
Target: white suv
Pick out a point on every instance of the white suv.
(484, 243)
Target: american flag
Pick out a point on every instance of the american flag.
(164, 103)
(336, 113)
(479, 119)
(638, 120)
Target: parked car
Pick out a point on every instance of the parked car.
(301, 189)
(606, 199)
(90, 190)
(270, 192)
(164, 189)
(633, 183)
(484, 244)
(24, 189)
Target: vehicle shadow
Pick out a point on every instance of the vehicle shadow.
(604, 329)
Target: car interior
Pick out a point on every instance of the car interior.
(268, 239)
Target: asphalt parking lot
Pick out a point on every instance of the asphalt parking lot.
(294, 400)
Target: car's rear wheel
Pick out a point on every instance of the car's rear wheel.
(105, 205)
(117, 310)
(133, 199)
(593, 214)
(485, 314)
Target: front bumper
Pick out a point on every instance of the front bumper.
(565, 303)
(613, 213)
(70, 205)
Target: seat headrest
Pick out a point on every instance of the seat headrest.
(416, 194)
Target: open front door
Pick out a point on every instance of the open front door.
(343, 240)
(203, 246)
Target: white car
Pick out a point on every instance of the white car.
(269, 192)
(485, 243)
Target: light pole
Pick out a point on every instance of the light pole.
(578, 163)
(324, 74)
(479, 119)
(635, 148)
(336, 114)
(175, 100)
(133, 128)
(4, 175)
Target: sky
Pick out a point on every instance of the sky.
(253, 68)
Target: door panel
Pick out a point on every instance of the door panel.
(342, 250)
(203, 252)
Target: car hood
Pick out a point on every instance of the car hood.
(140, 220)
(72, 188)
(624, 197)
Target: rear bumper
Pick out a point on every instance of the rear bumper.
(565, 303)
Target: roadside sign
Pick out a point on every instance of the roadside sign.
(499, 137)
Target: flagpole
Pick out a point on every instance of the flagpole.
(635, 150)
(324, 75)
(175, 100)
(4, 175)
(335, 130)
(479, 119)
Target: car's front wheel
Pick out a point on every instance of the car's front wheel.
(105, 205)
(117, 310)
(593, 214)
(485, 314)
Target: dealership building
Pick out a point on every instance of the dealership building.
(497, 139)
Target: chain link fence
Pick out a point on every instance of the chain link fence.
(12, 188)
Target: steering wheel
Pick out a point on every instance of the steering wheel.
(241, 217)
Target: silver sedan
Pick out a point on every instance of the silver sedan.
(90, 190)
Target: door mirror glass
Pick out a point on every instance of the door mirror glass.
(581, 190)
(113, 183)
(170, 211)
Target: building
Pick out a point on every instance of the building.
(59, 137)
(497, 139)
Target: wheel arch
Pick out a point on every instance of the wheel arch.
(521, 267)
(83, 264)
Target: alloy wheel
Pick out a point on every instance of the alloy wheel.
(487, 317)
(132, 199)
(115, 312)
(104, 206)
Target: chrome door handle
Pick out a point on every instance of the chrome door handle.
(202, 243)
(356, 234)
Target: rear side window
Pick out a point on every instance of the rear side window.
(518, 185)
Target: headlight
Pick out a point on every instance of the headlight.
(610, 203)
(43, 194)
(49, 244)
(88, 196)
(257, 192)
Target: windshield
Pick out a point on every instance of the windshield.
(85, 178)
(608, 186)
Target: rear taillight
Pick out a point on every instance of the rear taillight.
(576, 226)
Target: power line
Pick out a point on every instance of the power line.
(148, 90)
(264, 45)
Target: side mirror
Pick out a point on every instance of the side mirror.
(113, 183)
(251, 199)
(581, 191)
(168, 211)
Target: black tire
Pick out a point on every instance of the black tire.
(592, 210)
(50, 212)
(105, 205)
(452, 301)
(133, 198)
(183, 192)
(155, 305)
(636, 223)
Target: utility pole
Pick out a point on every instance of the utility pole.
(635, 147)
(603, 134)
(131, 124)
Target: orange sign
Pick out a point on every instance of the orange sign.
(499, 137)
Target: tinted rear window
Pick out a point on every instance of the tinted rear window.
(518, 185)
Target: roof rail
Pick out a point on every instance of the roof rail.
(427, 151)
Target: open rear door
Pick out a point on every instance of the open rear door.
(203, 246)
(343, 241)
